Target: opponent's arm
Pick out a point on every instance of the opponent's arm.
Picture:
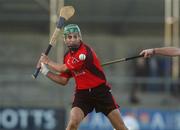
(52, 76)
(166, 51)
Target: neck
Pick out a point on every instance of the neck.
(74, 48)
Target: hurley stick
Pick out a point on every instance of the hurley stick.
(66, 12)
(121, 60)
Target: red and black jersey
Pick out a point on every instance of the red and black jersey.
(87, 71)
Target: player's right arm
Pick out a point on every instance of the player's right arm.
(53, 76)
(56, 78)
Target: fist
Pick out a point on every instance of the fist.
(44, 59)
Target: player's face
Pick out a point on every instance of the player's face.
(72, 40)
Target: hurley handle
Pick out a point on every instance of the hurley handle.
(39, 67)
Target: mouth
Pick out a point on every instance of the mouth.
(73, 47)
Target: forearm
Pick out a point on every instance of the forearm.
(56, 78)
(54, 66)
(167, 51)
(57, 67)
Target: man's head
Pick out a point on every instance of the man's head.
(72, 36)
(72, 28)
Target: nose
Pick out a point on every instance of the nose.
(72, 40)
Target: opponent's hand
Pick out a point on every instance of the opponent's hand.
(147, 53)
(44, 59)
(44, 70)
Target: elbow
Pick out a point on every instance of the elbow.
(61, 80)
(64, 83)
(63, 68)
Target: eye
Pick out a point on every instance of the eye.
(72, 36)
(75, 36)
(69, 37)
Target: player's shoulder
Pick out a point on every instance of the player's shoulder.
(86, 46)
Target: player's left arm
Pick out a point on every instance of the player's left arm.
(58, 67)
